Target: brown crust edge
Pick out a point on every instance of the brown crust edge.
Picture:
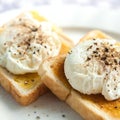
(53, 82)
(66, 38)
(87, 109)
(22, 99)
(94, 34)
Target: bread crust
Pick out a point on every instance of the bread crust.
(58, 90)
(51, 80)
(85, 107)
(67, 43)
(95, 34)
(23, 99)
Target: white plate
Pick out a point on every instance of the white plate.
(75, 22)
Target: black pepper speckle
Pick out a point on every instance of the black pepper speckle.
(115, 107)
(37, 117)
(63, 115)
(34, 52)
(89, 47)
(32, 80)
(115, 88)
(88, 59)
(103, 58)
(45, 46)
(34, 29)
(95, 52)
(115, 61)
(35, 112)
(95, 43)
(106, 49)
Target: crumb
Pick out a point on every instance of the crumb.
(34, 52)
(115, 107)
(35, 112)
(35, 106)
(63, 116)
(28, 114)
(32, 80)
(26, 82)
(37, 117)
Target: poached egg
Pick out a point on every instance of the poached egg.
(93, 67)
(25, 42)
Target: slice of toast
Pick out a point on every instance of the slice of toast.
(27, 88)
(90, 107)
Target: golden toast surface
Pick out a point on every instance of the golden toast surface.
(58, 69)
(27, 81)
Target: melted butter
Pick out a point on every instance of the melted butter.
(58, 69)
(27, 81)
(65, 48)
(37, 16)
(95, 35)
(117, 43)
(111, 107)
(1, 30)
(40, 18)
(55, 28)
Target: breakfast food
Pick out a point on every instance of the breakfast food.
(93, 67)
(80, 77)
(25, 42)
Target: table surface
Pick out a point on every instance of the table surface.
(6, 5)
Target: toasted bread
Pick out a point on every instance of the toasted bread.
(95, 34)
(27, 88)
(90, 107)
